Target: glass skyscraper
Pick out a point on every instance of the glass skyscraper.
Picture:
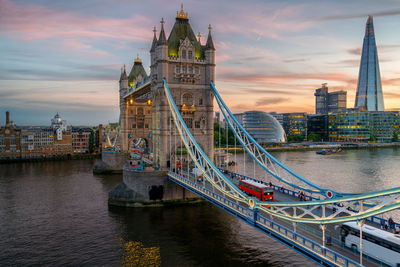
(369, 89)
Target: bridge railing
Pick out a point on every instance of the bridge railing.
(286, 191)
(254, 218)
(238, 176)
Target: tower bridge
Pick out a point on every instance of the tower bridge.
(172, 108)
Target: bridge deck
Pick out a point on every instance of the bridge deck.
(308, 231)
(314, 232)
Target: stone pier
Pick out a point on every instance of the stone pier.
(148, 188)
(111, 162)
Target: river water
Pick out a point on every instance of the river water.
(56, 213)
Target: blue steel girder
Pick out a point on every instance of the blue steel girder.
(349, 208)
(269, 163)
(210, 172)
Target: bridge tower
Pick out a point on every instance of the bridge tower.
(123, 86)
(135, 115)
(188, 67)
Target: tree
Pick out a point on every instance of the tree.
(222, 138)
(295, 138)
(91, 141)
(372, 138)
(314, 137)
(395, 137)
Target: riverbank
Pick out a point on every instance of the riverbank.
(317, 146)
(51, 158)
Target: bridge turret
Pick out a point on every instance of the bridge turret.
(123, 87)
(123, 80)
(210, 57)
(153, 48)
(162, 44)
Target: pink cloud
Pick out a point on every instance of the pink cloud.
(263, 21)
(33, 22)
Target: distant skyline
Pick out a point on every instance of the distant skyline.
(65, 56)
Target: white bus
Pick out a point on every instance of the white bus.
(379, 244)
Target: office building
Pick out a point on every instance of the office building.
(363, 126)
(369, 95)
(263, 127)
(326, 103)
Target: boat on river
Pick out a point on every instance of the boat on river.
(329, 151)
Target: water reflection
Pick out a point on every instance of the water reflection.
(56, 213)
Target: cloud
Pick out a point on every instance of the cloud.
(391, 82)
(392, 12)
(31, 22)
(284, 77)
(263, 20)
(391, 94)
(272, 100)
(355, 51)
(291, 60)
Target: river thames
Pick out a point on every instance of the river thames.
(56, 213)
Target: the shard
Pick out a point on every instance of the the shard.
(369, 89)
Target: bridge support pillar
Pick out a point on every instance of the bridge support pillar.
(148, 189)
(323, 227)
(110, 162)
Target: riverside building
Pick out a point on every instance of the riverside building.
(263, 127)
(329, 102)
(32, 142)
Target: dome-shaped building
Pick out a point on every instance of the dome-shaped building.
(263, 127)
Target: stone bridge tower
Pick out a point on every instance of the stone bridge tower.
(188, 67)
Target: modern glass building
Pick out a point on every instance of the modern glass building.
(369, 89)
(326, 102)
(318, 124)
(295, 123)
(362, 126)
(263, 127)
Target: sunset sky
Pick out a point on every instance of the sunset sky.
(65, 56)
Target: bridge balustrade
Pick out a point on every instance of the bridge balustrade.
(264, 224)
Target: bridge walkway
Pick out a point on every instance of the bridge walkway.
(314, 232)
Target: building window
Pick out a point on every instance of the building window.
(201, 101)
(188, 122)
(190, 54)
(140, 111)
(177, 69)
(187, 99)
(184, 54)
(197, 124)
(134, 126)
(197, 70)
(140, 125)
(146, 126)
(190, 70)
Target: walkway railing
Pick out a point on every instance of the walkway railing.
(238, 176)
(302, 244)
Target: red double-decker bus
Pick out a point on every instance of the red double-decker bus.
(261, 191)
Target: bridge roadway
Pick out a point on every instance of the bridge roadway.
(310, 231)
(313, 231)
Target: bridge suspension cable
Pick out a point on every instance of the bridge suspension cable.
(343, 209)
(210, 172)
(266, 160)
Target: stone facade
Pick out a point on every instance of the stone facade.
(148, 188)
(188, 67)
